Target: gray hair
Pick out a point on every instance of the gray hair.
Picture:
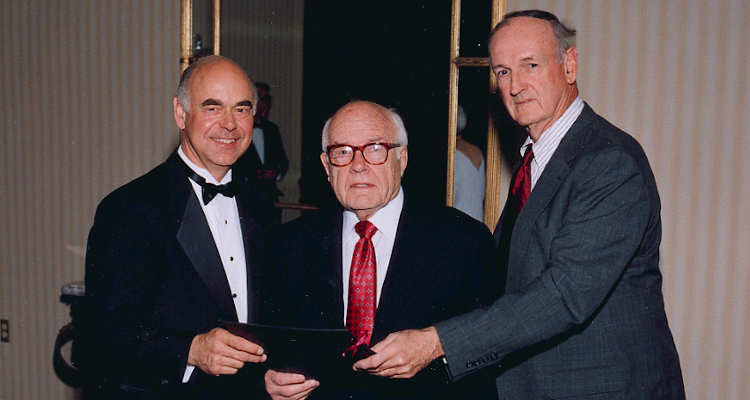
(183, 89)
(402, 137)
(565, 35)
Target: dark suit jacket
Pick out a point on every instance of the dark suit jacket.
(154, 279)
(583, 314)
(441, 266)
(274, 156)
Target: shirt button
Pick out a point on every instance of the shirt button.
(231, 258)
(234, 295)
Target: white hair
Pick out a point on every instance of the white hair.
(402, 137)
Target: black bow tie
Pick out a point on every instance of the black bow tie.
(209, 189)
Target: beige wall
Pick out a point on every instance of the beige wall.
(265, 37)
(85, 106)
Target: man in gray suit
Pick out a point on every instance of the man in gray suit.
(583, 314)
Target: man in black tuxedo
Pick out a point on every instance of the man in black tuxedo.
(583, 314)
(432, 262)
(265, 162)
(178, 249)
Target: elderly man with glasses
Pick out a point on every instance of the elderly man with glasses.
(381, 261)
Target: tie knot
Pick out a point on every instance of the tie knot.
(528, 155)
(365, 229)
(209, 190)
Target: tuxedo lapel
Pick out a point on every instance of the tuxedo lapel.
(195, 237)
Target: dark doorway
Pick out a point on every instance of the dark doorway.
(395, 53)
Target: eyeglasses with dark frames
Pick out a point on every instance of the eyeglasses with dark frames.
(376, 153)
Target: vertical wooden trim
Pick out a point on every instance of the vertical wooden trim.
(186, 33)
(217, 26)
(494, 155)
(453, 100)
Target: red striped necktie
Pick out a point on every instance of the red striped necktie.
(522, 180)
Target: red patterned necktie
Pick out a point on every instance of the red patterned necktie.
(522, 180)
(360, 315)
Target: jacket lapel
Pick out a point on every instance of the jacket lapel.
(328, 264)
(402, 276)
(546, 187)
(196, 239)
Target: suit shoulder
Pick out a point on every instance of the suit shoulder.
(146, 188)
(259, 203)
(442, 219)
(604, 147)
(618, 145)
(311, 224)
(604, 136)
(141, 204)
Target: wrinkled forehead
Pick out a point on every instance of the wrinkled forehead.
(361, 123)
(221, 77)
(523, 33)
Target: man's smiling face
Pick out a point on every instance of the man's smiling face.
(218, 127)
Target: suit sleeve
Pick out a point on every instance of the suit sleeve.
(126, 330)
(609, 207)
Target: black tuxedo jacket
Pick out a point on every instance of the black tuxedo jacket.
(274, 156)
(154, 279)
(442, 265)
(583, 314)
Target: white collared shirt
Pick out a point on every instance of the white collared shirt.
(224, 221)
(386, 220)
(545, 147)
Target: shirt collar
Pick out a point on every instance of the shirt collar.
(202, 172)
(551, 138)
(386, 219)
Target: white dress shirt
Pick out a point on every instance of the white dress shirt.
(386, 220)
(224, 221)
(550, 139)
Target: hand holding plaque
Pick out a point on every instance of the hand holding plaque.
(314, 353)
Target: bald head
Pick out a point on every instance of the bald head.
(183, 89)
(214, 109)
